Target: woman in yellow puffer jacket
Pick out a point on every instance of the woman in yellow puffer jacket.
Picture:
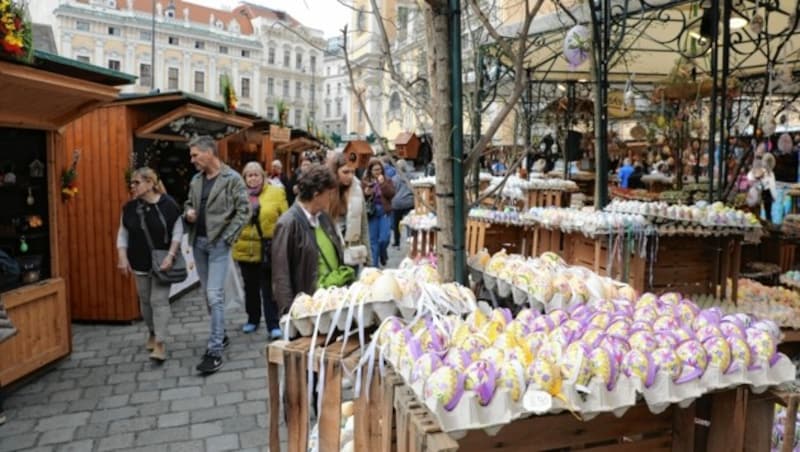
(252, 251)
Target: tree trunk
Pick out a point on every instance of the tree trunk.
(437, 31)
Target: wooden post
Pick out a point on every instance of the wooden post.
(728, 416)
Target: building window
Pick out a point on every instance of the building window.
(114, 31)
(339, 89)
(82, 25)
(287, 57)
(298, 90)
(271, 55)
(145, 35)
(313, 64)
(173, 40)
(199, 45)
(219, 25)
(328, 88)
(338, 107)
(245, 53)
(313, 92)
(171, 13)
(223, 50)
(327, 109)
(298, 63)
(298, 117)
(394, 102)
(402, 23)
(328, 70)
(113, 65)
(145, 74)
(286, 89)
(270, 86)
(361, 25)
(245, 87)
(172, 78)
(199, 81)
(270, 112)
(83, 59)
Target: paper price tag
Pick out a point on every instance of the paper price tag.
(537, 402)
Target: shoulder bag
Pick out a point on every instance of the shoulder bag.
(177, 273)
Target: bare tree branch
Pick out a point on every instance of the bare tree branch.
(499, 40)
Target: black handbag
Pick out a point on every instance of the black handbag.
(177, 273)
(266, 244)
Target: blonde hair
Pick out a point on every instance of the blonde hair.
(151, 176)
(253, 166)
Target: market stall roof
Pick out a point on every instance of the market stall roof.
(359, 147)
(654, 34)
(51, 91)
(299, 144)
(183, 115)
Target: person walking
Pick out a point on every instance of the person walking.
(379, 192)
(305, 245)
(216, 210)
(402, 202)
(151, 217)
(252, 250)
(349, 213)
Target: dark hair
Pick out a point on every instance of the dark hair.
(338, 206)
(368, 173)
(205, 143)
(317, 179)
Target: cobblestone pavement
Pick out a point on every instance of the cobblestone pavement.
(108, 395)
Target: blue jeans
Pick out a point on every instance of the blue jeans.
(212, 261)
(380, 228)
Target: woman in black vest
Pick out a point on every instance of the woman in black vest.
(159, 213)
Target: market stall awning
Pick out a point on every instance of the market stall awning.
(656, 34)
(186, 121)
(298, 145)
(52, 91)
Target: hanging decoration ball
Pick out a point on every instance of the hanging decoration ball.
(785, 143)
(577, 45)
(23, 245)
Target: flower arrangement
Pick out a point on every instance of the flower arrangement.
(69, 178)
(16, 38)
(229, 98)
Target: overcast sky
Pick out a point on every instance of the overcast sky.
(330, 16)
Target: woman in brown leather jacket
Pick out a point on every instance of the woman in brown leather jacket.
(305, 245)
(378, 191)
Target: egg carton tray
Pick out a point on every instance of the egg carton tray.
(365, 315)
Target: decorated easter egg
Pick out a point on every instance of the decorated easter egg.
(708, 331)
(719, 352)
(686, 312)
(575, 364)
(558, 335)
(640, 325)
(492, 354)
(535, 341)
(647, 299)
(546, 375)
(558, 316)
(474, 345)
(603, 366)
(667, 360)
(627, 292)
(551, 351)
(729, 329)
(424, 366)
(670, 298)
(580, 312)
(640, 365)
(683, 334)
(502, 316)
(741, 357)
(518, 353)
(491, 330)
(446, 386)
(619, 327)
(762, 345)
(511, 376)
(541, 288)
(461, 332)
(592, 337)
(643, 340)
(542, 323)
(573, 328)
(458, 359)
(389, 328)
(526, 316)
(691, 352)
(476, 319)
(603, 305)
(552, 259)
(645, 314)
(665, 323)
(481, 377)
(600, 320)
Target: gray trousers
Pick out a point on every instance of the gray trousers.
(154, 302)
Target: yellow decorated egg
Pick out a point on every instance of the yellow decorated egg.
(446, 386)
(511, 376)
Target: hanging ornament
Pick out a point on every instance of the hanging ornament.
(23, 245)
(756, 23)
(785, 143)
(30, 200)
(577, 45)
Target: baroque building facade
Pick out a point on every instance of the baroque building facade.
(267, 54)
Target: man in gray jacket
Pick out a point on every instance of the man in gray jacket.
(216, 209)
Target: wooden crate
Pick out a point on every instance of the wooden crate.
(422, 243)
(495, 237)
(293, 357)
(545, 240)
(40, 313)
(547, 198)
(638, 430)
(592, 253)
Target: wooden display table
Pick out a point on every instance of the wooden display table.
(733, 424)
(497, 236)
(293, 357)
(424, 198)
(790, 400)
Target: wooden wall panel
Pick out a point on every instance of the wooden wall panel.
(39, 312)
(96, 290)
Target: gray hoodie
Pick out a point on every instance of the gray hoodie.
(403, 196)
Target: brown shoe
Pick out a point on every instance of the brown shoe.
(159, 352)
(151, 342)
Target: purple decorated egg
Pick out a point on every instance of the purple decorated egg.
(492, 354)
(592, 337)
(458, 359)
(741, 357)
(604, 366)
(474, 345)
(730, 329)
(667, 360)
(620, 327)
(558, 316)
(551, 351)
(708, 331)
(543, 323)
(481, 377)
(645, 314)
(643, 340)
(511, 376)
(665, 323)
(640, 365)
(546, 375)
(647, 299)
(526, 316)
(641, 325)
(762, 345)
(446, 386)
(670, 298)
(719, 352)
(666, 339)
(575, 365)
(600, 320)
(691, 352)
(424, 366)
(601, 305)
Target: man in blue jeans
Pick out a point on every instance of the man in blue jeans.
(216, 210)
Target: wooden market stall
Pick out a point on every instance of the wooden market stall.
(39, 99)
(133, 131)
